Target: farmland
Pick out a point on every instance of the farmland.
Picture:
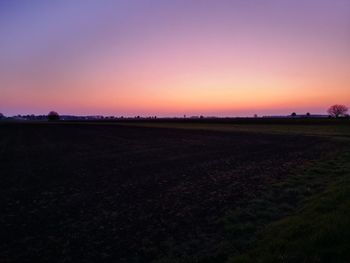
(172, 192)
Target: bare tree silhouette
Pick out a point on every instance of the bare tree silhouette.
(337, 110)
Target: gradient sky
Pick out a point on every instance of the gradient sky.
(174, 57)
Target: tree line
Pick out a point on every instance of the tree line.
(335, 111)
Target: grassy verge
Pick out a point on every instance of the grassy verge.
(318, 232)
(303, 219)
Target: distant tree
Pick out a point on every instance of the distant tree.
(308, 114)
(293, 114)
(1, 116)
(255, 115)
(337, 110)
(53, 116)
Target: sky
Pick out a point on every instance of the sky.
(174, 57)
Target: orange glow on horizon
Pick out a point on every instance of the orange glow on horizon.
(261, 60)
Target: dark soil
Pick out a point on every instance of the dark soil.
(85, 193)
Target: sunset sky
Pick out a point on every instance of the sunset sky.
(174, 57)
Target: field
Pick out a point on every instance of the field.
(175, 192)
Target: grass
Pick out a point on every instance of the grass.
(318, 232)
(303, 219)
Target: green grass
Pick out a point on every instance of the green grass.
(303, 219)
(318, 232)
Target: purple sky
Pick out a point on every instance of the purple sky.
(176, 57)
